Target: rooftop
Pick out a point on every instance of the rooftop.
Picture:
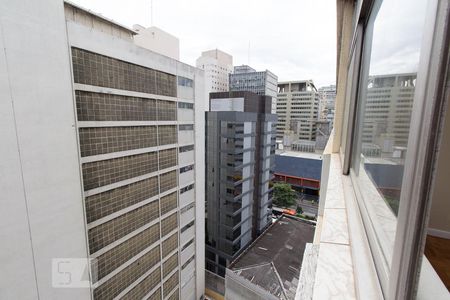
(273, 261)
(303, 167)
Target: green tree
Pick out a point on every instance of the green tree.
(283, 195)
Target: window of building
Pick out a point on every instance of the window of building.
(186, 148)
(187, 188)
(185, 105)
(183, 81)
(185, 127)
(389, 60)
(186, 169)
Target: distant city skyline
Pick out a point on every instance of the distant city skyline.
(296, 40)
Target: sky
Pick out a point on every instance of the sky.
(295, 39)
(397, 36)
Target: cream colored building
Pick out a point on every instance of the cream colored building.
(297, 110)
(217, 65)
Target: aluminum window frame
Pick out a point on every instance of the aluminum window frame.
(400, 281)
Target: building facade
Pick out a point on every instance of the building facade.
(327, 97)
(217, 66)
(245, 78)
(297, 110)
(113, 165)
(157, 40)
(240, 143)
(388, 112)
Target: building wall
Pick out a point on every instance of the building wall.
(230, 159)
(42, 214)
(155, 159)
(157, 40)
(217, 66)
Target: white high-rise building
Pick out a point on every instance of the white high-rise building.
(102, 170)
(217, 66)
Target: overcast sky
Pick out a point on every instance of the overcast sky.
(295, 39)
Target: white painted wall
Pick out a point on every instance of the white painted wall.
(42, 210)
(187, 253)
(187, 197)
(187, 137)
(185, 115)
(185, 92)
(157, 40)
(199, 110)
(185, 178)
(187, 235)
(185, 158)
(187, 217)
(227, 104)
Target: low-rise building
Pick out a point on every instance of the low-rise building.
(270, 267)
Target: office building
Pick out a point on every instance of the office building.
(327, 97)
(297, 110)
(388, 111)
(103, 161)
(217, 66)
(240, 143)
(245, 78)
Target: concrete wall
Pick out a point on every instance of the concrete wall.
(239, 288)
(199, 111)
(157, 40)
(42, 213)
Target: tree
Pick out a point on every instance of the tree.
(283, 195)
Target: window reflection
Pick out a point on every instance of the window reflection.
(390, 61)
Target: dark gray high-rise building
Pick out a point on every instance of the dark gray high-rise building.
(240, 149)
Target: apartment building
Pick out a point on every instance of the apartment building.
(103, 161)
(240, 145)
(297, 110)
(245, 78)
(383, 211)
(217, 66)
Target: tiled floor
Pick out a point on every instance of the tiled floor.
(437, 250)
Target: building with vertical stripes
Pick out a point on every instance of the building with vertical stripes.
(104, 161)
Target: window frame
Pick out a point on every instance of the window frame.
(400, 281)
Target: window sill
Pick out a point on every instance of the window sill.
(339, 259)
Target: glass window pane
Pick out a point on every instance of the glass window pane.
(390, 61)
